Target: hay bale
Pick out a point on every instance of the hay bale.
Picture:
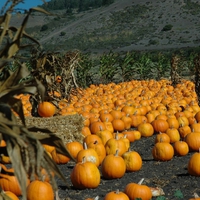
(68, 128)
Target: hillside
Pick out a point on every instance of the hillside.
(125, 25)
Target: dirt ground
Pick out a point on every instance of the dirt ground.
(171, 176)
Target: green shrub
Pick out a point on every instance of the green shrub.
(167, 27)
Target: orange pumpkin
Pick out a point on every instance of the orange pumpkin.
(116, 195)
(146, 129)
(113, 166)
(89, 154)
(194, 164)
(74, 147)
(163, 151)
(11, 195)
(180, 148)
(85, 175)
(138, 191)
(10, 182)
(132, 160)
(39, 190)
(46, 109)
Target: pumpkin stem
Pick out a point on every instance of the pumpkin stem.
(116, 153)
(196, 195)
(117, 191)
(85, 145)
(141, 181)
(96, 198)
(84, 159)
(57, 197)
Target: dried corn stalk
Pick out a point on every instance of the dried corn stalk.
(175, 78)
(197, 76)
(47, 66)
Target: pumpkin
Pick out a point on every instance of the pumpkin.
(97, 126)
(180, 148)
(113, 166)
(89, 154)
(116, 195)
(118, 125)
(137, 134)
(73, 148)
(184, 130)
(39, 190)
(173, 134)
(100, 149)
(114, 144)
(59, 158)
(46, 109)
(132, 160)
(194, 164)
(9, 182)
(91, 138)
(138, 191)
(11, 195)
(162, 137)
(58, 79)
(193, 141)
(86, 131)
(146, 129)
(160, 125)
(129, 135)
(105, 135)
(163, 151)
(85, 175)
(127, 122)
(48, 148)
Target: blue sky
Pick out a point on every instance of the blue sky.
(26, 5)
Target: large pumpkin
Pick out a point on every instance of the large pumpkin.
(113, 166)
(46, 109)
(132, 160)
(138, 191)
(194, 164)
(163, 151)
(10, 182)
(39, 190)
(85, 175)
(116, 195)
(193, 141)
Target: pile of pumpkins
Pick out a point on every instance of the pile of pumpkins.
(116, 115)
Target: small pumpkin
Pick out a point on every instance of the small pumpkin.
(180, 148)
(46, 109)
(160, 125)
(11, 195)
(40, 190)
(146, 129)
(194, 164)
(8, 181)
(58, 79)
(113, 166)
(89, 154)
(114, 144)
(100, 149)
(162, 137)
(73, 148)
(59, 158)
(163, 151)
(132, 160)
(138, 191)
(193, 141)
(85, 175)
(116, 195)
